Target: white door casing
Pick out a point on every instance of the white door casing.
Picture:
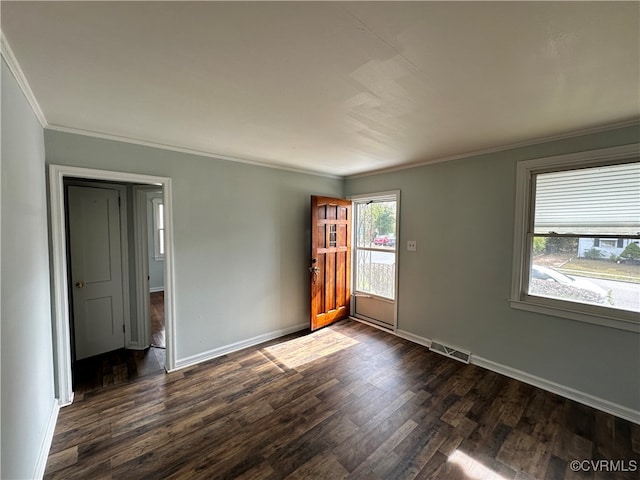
(62, 337)
(96, 270)
(366, 306)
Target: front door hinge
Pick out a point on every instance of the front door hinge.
(123, 328)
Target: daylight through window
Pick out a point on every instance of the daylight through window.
(585, 244)
(375, 247)
(158, 228)
(580, 240)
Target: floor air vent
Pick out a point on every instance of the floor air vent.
(450, 352)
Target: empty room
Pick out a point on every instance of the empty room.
(299, 240)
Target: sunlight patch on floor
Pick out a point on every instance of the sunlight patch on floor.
(306, 349)
(473, 469)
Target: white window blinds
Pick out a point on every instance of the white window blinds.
(599, 200)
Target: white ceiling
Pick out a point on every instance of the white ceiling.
(333, 87)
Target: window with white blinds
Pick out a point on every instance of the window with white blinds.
(597, 200)
(577, 237)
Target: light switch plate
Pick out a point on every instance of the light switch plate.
(412, 245)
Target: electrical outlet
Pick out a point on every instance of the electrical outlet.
(412, 245)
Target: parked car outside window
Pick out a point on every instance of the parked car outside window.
(385, 240)
(548, 282)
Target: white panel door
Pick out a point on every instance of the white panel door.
(96, 270)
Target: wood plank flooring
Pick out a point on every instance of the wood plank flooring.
(157, 319)
(116, 368)
(123, 366)
(348, 401)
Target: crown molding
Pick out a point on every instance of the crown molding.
(202, 153)
(14, 67)
(190, 151)
(502, 148)
(21, 79)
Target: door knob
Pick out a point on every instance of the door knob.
(80, 284)
(314, 273)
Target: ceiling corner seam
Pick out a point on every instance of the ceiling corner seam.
(21, 79)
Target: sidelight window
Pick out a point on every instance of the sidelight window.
(375, 246)
(375, 259)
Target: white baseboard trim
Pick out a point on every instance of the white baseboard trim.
(43, 454)
(66, 403)
(234, 347)
(414, 338)
(384, 328)
(562, 390)
(156, 289)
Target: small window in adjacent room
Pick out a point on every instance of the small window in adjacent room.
(158, 228)
(576, 251)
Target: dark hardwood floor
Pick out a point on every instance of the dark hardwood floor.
(157, 319)
(123, 366)
(347, 401)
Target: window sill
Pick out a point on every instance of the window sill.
(628, 321)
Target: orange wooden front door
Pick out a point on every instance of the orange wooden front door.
(330, 260)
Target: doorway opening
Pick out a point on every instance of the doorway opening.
(151, 256)
(155, 270)
(375, 259)
(107, 346)
(138, 332)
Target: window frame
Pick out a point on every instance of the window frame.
(606, 241)
(156, 202)
(524, 210)
(392, 196)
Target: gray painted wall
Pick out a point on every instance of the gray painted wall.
(241, 252)
(156, 267)
(241, 237)
(27, 358)
(455, 287)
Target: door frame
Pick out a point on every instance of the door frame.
(61, 327)
(359, 198)
(141, 239)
